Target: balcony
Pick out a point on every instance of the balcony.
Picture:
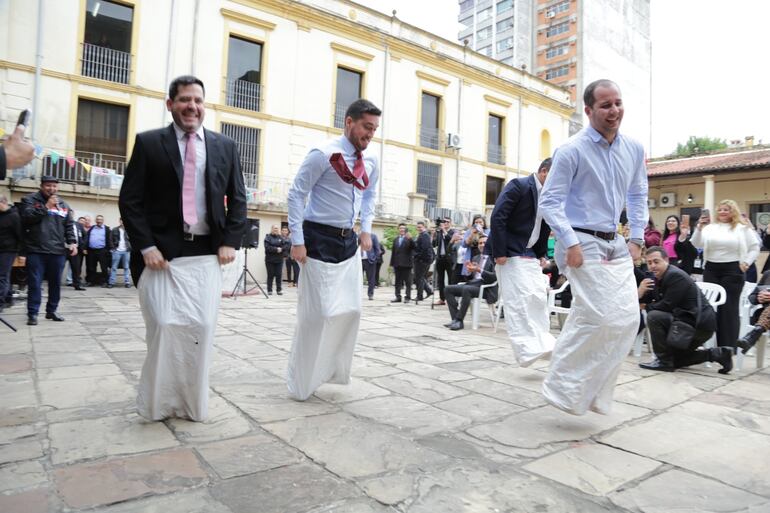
(106, 64)
(77, 173)
(431, 137)
(496, 154)
(244, 94)
(272, 193)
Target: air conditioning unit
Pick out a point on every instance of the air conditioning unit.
(550, 14)
(454, 141)
(668, 199)
(652, 203)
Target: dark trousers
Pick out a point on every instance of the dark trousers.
(325, 243)
(371, 280)
(292, 270)
(6, 265)
(403, 278)
(103, 258)
(458, 275)
(274, 270)
(43, 266)
(377, 273)
(729, 276)
(420, 280)
(76, 266)
(466, 291)
(444, 268)
(659, 324)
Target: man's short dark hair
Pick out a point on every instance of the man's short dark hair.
(358, 108)
(402, 224)
(545, 164)
(184, 80)
(421, 222)
(658, 249)
(588, 94)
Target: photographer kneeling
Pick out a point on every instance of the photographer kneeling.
(680, 319)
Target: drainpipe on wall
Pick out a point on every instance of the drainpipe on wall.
(518, 140)
(168, 57)
(194, 37)
(459, 130)
(38, 69)
(384, 120)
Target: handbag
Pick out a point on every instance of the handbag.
(680, 334)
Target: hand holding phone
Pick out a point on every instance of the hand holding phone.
(24, 118)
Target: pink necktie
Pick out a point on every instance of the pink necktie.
(189, 212)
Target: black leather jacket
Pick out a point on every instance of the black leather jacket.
(46, 232)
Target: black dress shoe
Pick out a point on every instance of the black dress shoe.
(279, 293)
(54, 317)
(397, 300)
(109, 285)
(457, 325)
(32, 320)
(748, 340)
(371, 298)
(407, 300)
(658, 365)
(128, 285)
(449, 324)
(80, 288)
(724, 357)
(429, 292)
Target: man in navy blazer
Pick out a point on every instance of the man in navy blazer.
(369, 259)
(519, 242)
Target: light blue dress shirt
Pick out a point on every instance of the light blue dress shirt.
(331, 201)
(589, 183)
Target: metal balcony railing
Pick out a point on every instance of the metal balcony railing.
(106, 63)
(339, 115)
(77, 173)
(244, 94)
(496, 154)
(272, 192)
(431, 137)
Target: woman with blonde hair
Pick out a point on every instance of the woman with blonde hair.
(729, 248)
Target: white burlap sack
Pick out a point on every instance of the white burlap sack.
(524, 290)
(596, 338)
(179, 306)
(328, 316)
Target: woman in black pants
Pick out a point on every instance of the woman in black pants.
(729, 248)
(274, 248)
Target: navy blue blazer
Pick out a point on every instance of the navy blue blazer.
(513, 220)
(374, 253)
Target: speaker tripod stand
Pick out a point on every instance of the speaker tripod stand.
(245, 275)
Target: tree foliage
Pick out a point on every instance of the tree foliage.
(695, 145)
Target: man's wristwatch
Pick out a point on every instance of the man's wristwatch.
(638, 242)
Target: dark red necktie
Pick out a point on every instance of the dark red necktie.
(342, 169)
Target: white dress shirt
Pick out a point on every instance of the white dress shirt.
(201, 227)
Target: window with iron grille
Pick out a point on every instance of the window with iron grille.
(427, 182)
(429, 121)
(495, 150)
(493, 190)
(348, 91)
(561, 7)
(107, 41)
(244, 74)
(555, 30)
(100, 140)
(556, 51)
(557, 72)
(247, 140)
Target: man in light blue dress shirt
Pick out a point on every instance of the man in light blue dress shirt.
(336, 182)
(594, 175)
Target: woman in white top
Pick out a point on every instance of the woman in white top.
(729, 248)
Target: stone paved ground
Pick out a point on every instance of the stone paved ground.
(434, 421)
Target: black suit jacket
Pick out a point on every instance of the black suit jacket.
(488, 276)
(447, 242)
(423, 248)
(677, 294)
(402, 256)
(513, 220)
(151, 200)
(107, 237)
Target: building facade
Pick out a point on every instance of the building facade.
(570, 43)
(279, 76)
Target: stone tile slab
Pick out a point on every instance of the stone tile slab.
(426, 354)
(351, 447)
(18, 390)
(533, 428)
(478, 408)
(273, 403)
(417, 387)
(94, 438)
(353, 506)
(78, 371)
(247, 455)
(108, 482)
(730, 416)
(402, 412)
(19, 443)
(593, 469)
(79, 392)
(433, 372)
(516, 376)
(356, 390)
(197, 501)
(658, 392)
(503, 392)
(224, 422)
(48, 360)
(689, 492)
(33, 501)
(293, 489)
(22, 476)
(712, 449)
(12, 363)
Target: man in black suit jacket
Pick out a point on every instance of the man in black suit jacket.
(401, 261)
(676, 298)
(442, 241)
(481, 272)
(518, 238)
(76, 260)
(423, 257)
(182, 196)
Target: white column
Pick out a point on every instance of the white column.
(708, 194)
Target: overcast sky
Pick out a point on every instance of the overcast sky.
(710, 70)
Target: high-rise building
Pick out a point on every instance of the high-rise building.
(570, 43)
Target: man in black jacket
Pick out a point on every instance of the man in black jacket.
(121, 255)
(76, 260)
(10, 242)
(442, 241)
(401, 262)
(677, 299)
(423, 257)
(49, 236)
(481, 272)
(274, 247)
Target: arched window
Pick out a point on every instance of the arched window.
(545, 144)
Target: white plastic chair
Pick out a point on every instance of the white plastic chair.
(475, 308)
(716, 295)
(558, 310)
